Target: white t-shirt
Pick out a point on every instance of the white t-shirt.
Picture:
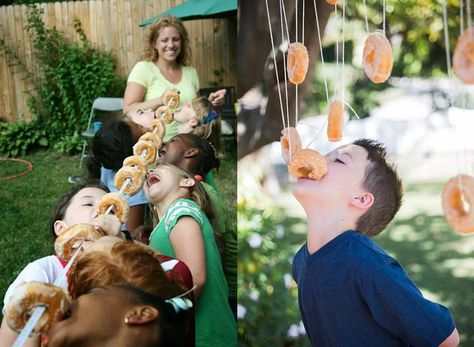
(47, 269)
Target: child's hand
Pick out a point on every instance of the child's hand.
(108, 224)
(217, 98)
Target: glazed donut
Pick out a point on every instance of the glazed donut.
(67, 242)
(30, 295)
(116, 200)
(332, 2)
(158, 127)
(150, 149)
(150, 136)
(297, 62)
(463, 58)
(377, 58)
(135, 161)
(335, 121)
(163, 113)
(136, 176)
(458, 190)
(307, 163)
(290, 143)
(171, 99)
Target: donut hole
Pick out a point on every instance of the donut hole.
(370, 57)
(460, 203)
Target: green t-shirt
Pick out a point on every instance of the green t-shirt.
(215, 324)
(148, 75)
(222, 226)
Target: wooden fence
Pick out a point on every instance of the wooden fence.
(112, 25)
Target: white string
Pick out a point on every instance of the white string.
(446, 38)
(321, 51)
(296, 21)
(284, 59)
(343, 45)
(461, 15)
(468, 9)
(274, 61)
(302, 33)
(366, 18)
(384, 14)
(337, 55)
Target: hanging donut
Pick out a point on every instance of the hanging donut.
(298, 60)
(307, 163)
(332, 2)
(30, 295)
(463, 58)
(378, 57)
(164, 114)
(458, 203)
(290, 143)
(335, 121)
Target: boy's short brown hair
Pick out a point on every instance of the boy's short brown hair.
(380, 179)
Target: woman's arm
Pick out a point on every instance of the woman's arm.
(8, 336)
(188, 245)
(217, 98)
(133, 98)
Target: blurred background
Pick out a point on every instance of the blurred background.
(424, 117)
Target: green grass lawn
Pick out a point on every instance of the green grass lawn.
(28, 201)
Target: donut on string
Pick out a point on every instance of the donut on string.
(332, 2)
(307, 163)
(377, 58)
(150, 155)
(290, 143)
(30, 295)
(335, 121)
(135, 161)
(151, 136)
(117, 201)
(171, 99)
(158, 127)
(136, 178)
(463, 58)
(458, 203)
(67, 243)
(298, 61)
(164, 114)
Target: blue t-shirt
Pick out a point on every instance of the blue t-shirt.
(351, 293)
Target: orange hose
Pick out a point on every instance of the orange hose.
(30, 167)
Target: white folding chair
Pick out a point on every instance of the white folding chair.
(99, 104)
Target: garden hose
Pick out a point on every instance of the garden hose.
(30, 167)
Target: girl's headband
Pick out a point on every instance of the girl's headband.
(210, 117)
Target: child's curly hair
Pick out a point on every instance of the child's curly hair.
(127, 263)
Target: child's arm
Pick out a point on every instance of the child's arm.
(217, 98)
(188, 245)
(8, 336)
(452, 340)
(135, 217)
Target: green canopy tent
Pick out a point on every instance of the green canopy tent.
(199, 9)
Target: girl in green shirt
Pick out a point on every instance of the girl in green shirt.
(185, 232)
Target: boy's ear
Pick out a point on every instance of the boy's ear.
(141, 315)
(364, 200)
(187, 183)
(59, 227)
(191, 153)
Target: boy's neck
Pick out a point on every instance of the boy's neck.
(322, 230)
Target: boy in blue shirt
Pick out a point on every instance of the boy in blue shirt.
(350, 292)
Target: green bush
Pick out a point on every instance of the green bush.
(18, 138)
(268, 313)
(71, 76)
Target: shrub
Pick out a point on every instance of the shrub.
(71, 76)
